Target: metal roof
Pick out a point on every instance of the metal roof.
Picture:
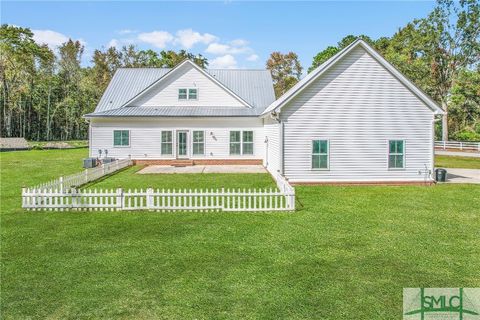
(253, 86)
(178, 111)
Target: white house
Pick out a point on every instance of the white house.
(353, 119)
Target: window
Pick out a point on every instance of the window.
(247, 142)
(396, 154)
(198, 142)
(121, 138)
(241, 142)
(192, 94)
(166, 142)
(182, 94)
(320, 154)
(188, 94)
(235, 142)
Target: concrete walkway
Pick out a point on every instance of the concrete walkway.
(204, 169)
(463, 175)
(457, 153)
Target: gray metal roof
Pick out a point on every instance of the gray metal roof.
(253, 86)
(178, 111)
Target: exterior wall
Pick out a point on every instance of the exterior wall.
(145, 136)
(165, 93)
(272, 147)
(358, 106)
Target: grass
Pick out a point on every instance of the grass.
(457, 162)
(129, 179)
(347, 253)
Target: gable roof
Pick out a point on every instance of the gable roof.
(254, 87)
(312, 76)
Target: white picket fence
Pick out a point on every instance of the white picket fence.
(88, 175)
(459, 145)
(63, 194)
(159, 200)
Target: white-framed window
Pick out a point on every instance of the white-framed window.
(396, 154)
(188, 94)
(192, 94)
(320, 154)
(182, 94)
(198, 142)
(247, 142)
(241, 142)
(121, 138)
(166, 143)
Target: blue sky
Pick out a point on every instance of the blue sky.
(229, 34)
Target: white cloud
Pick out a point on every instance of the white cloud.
(217, 48)
(126, 31)
(187, 38)
(113, 43)
(224, 62)
(252, 57)
(239, 43)
(158, 39)
(51, 38)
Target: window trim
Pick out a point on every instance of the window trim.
(403, 154)
(241, 143)
(312, 154)
(162, 142)
(203, 142)
(187, 97)
(121, 146)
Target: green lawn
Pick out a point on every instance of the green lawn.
(457, 162)
(346, 253)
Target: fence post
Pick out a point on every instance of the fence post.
(149, 198)
(61, 184)
(73, 200)
(461, 145)
(444, 145)
(103, 168)
(119, 199)
(86, 175)
(23, 196)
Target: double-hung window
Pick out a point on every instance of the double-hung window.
(166, 142)
(396, 154)
(121, 138)
(241, 142)
(182, 94)
(198, 142)
(192, 94)
(187, 94)
(235, 142)
(320, 154)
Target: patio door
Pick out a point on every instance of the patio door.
(182, 143)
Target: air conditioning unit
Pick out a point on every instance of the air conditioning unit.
(89, 163)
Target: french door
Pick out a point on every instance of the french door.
(182, 144)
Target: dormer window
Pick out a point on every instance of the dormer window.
(182, 94)
(188, 94)
(192, 94)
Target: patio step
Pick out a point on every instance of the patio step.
(182, 163)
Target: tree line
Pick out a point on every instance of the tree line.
(44, 94)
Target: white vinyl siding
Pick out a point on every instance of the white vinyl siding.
(166, 93)
(272, 145)
(145, 136)
(121, 138)
(358, 106)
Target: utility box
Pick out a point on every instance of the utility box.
(89, 163)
